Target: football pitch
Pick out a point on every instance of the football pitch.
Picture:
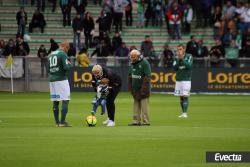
(28, 137)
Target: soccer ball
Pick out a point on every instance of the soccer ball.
(91, 120)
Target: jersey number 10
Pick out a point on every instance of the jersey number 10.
(53, 61)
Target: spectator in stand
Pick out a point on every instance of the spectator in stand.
(229, 11)
(118, 6)
(102, 52)
(128, 13)
(40, 5)
(240, 9)
(167, 57)
(238, 40)
(53, 2)
(72, 50)
(77, 26)
(106, 39)
(240, 24)
(89, 27)
(219, 3)
(116, 42)
(23, 2)
(10, 48)
(2, 47)
(216, 21)
(232, 54)
(140, 13)
(174, 16)
(80, 6)
(37, 21)
(153, 58)
(202, 55)
(132, 48)
(188, 17)
(227, 26)
(72, 53)
(246, 17)
(165, 11)
(158, 9)
(103, 21)
(216, 53)
(96, 2)
(83, 58)
(197, 7)
(246, 44)
(146, 46)
(22, 47)
(53, 46)
(207, 11)
(192, 46)
(227, 37)
(107, 10)
(182, 5)
(122, 53)
(66, 11)
(149, 13)
(32, 2)
(21, 18)
(42, 54)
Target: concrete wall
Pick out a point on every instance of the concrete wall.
(19, 85)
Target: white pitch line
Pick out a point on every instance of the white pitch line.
(204, 127)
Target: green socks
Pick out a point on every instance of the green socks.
(64, 111)
(56, 111)
(184, 104)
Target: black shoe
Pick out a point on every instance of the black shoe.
(134, 124)
(64, 125)
(145, 124)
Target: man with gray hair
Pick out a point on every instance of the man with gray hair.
(139, 85)
(115, 82)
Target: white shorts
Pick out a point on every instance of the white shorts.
(59, 90)
(182, 88)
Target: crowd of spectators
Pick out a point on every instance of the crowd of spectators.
(230, 23)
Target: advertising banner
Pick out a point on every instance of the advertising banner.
(163, 80)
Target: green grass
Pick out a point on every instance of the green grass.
(28, 137)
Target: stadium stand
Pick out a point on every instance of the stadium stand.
(131, 35)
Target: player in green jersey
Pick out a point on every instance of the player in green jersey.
(59, 66)
(183, 66)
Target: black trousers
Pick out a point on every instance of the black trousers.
(88, 39)
(129, 18)
(110, 105)
(66, 11)
(41, 5)
(118, 21)
(33, 25)
(53, 2)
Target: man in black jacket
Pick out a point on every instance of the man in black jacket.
(192, 46)
(115, 83)
(102, 52)
(216, 53)
(37, 21)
